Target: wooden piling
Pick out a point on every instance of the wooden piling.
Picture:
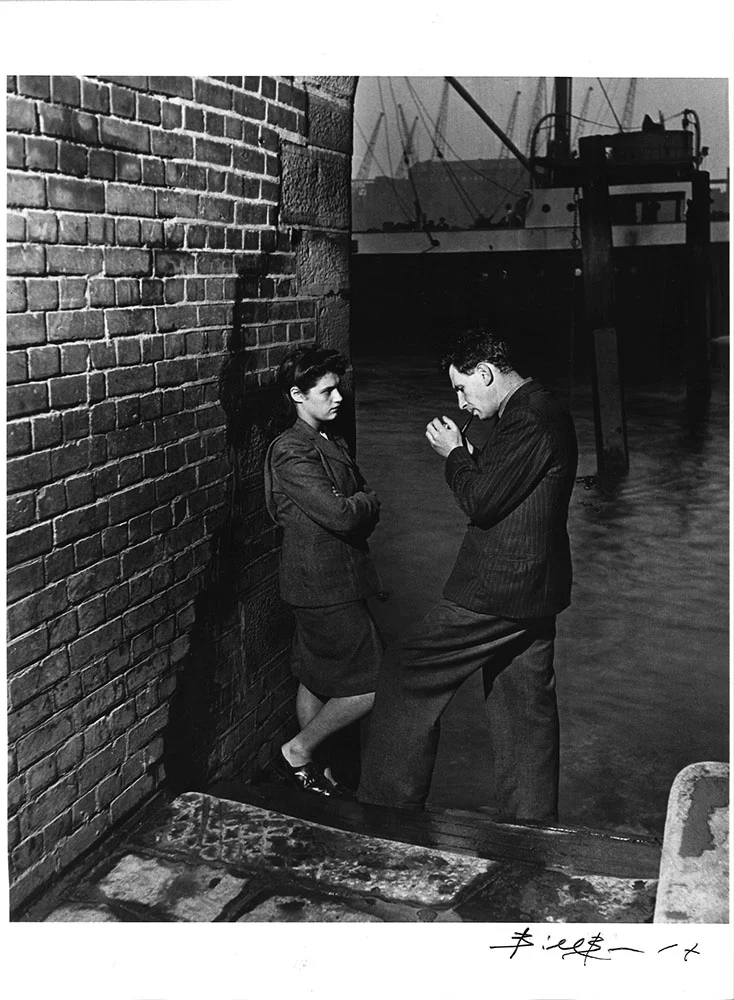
(596, 252)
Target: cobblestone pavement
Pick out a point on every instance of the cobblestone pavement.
(202, 858)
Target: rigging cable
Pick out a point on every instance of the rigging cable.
(390, 176)
(463, 194)
(466, 163)
(619, 124)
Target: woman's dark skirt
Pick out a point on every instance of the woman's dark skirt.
(337, 650)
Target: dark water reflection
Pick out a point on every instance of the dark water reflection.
(643, 651)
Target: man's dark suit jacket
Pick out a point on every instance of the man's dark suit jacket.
(314, 489)
(515, 559)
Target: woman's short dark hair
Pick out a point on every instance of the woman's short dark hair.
(303, 367)
(470, 347)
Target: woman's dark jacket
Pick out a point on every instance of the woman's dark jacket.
(315, 491)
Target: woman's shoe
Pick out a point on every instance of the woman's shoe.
(308, 777)
(339, 790)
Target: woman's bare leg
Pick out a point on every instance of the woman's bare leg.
(307, 705)
(333, 716)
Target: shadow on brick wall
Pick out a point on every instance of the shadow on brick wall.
(212, 686)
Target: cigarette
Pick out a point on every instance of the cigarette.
(466, 423)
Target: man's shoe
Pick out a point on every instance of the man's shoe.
(308, 777)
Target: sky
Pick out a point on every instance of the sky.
(467, 136)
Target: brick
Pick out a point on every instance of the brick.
(128, 321)
(16, 367)
(43, 294)
(26, 259)
(80, 523)
(102, 700)
(26, 190)
(130, 380)
(100, 229)
(33, 611)
(123, 199)
(15, 227)
(20, 512)
(55, 121)
(70, 754)
(61, 631)
(101, 292)
(43, 227)
(28, 471)
(14, 151)
(59, 564)
(69, 390)
(86, 325)
(216, 209)
(18, 438)
(149, 109)
(174, 203)
(173, 86)
(24, 579)
(131, 440)
(43, 362)
(127, 503)
(74, 358)
(93, 580)
(26, 650)
(127, 262)
(73, 159)
(172, 145)
(16, 296)
(102, 164)
(95, 96)
(66, 90)
(73, 260)
(213, 152)
(51, 803)
(249, 106)
(21, 115)
(127, 167)
(76, 195)
(26, 399)
(122, 102)
(125, 135)
(72, 293)
(72, 228)
(39, 677)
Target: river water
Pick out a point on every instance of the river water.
(642, 655)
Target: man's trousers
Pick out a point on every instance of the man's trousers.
(419, 677)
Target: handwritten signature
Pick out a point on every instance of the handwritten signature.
(587, 949)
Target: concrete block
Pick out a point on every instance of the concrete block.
(315, 188)
(340, 86)
(333, 324)
(329, 124)
(322, 262)
(694, 868)
(182, 891)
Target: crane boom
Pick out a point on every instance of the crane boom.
(407, 135)
(510, 130)
(369, 155)
(629, 104)
(582, 114)
(537, 111)
(439, 137)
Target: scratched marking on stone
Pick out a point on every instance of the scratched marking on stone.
(233, 833)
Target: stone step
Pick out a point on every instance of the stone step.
(207, 858)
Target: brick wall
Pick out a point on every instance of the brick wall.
(168, 239)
